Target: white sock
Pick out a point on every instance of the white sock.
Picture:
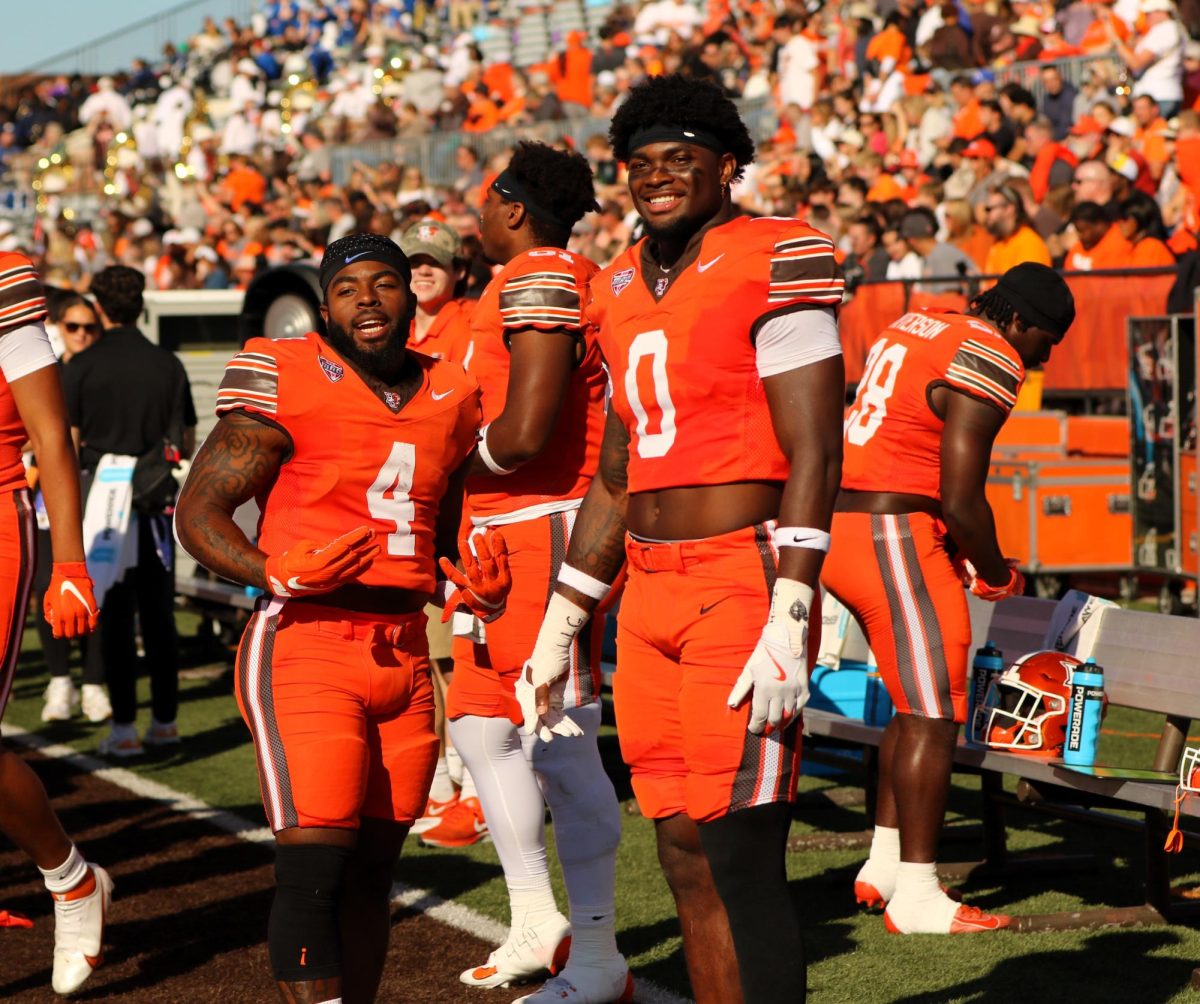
(531, 902)
(454, 764)
(68, 875)
(593, 938)
(920, 906)
(442, 789)
(468, 784)
(880, 867)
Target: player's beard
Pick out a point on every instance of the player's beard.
(680, 230)
(386, 362)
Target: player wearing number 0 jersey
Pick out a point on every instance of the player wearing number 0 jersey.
(912, 525)
(718, 472)
(355, 450)
(543, 387)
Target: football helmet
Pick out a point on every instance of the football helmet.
(1026, 707)
(1189, 770)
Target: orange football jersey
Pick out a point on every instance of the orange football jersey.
(684, 376)
(893, 437)
(22, 301)
(354, 460)
(544, 289)
(449, 336)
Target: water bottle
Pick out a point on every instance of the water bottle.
(988, 663)
(1083, 715)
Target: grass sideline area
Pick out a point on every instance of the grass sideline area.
(852, 959)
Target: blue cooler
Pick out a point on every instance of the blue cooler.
(854, 690)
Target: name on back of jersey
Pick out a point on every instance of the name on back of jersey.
(920, 325)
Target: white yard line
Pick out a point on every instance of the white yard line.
(423, 901)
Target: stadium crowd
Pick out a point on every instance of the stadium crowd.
(213, 161)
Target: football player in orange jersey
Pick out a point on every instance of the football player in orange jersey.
(719, 469)
(327, 432)
(32, 409)
(543, 386)
(912, 525)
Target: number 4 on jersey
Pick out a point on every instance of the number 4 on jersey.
(879, 380)
(388, 498)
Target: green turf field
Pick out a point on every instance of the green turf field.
(852, 958)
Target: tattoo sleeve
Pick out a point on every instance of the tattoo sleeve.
(240, 459)
(598, 541)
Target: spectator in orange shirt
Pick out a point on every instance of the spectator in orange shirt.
(1016, 240)
(1140, 221)
(1098, 38)
(243, 184)
(881, 185)
(967, 123)
(1101, 244)
(1053, 164)
(482, 113)
(889, 49)
(964, 233)
(571, 74)
(1148, 134)
(1054, 44)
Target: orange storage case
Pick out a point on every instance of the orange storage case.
(1188, 512)
(1098, 435)
(1061, 515)
(1028, 432)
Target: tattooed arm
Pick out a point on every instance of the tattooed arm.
(240, 458)
(598, 540)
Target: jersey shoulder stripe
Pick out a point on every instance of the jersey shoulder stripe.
(22, 297)
(985, 371)
(251, 381)
(804, 270)
(541, 298)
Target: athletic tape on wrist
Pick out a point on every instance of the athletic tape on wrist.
(583, 583)
(486, 455)
(801, 536)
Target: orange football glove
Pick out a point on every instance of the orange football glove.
(1015, 585)
(310, 567)
(69, 604)
(484, 588)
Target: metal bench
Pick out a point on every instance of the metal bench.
(1150, 664)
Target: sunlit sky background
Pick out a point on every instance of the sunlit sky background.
(37, 30)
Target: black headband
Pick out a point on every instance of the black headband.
(676, 134)
(510, 188)
(362, 247)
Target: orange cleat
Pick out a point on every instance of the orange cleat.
(966, 920)
(461, 825)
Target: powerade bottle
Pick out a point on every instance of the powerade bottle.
(988, 662)
(1083, 715)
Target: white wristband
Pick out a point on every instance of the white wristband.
(801, 536)
(583, 583)
(486, 456)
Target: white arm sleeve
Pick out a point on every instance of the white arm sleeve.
(800, 338)
(24, 350)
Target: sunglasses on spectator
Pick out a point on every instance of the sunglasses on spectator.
(73, 326)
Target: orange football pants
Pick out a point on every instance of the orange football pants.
(485, 676)
(893, 572)
(690, 617)
(18, 538)
(342, 720)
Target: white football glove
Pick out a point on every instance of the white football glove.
(776, 673)
(549, 665)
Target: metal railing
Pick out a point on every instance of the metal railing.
(434, 154)
(146, 37)
(1074, 70)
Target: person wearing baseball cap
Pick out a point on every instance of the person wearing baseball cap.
(442, 324)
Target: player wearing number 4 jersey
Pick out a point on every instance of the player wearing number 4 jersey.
(913, 526)
(717, 478)
(354, 449)
(543, 387)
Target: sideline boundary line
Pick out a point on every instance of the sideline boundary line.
(422, 901)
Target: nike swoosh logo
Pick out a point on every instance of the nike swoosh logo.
(706, 609)
(295, 584)
(782, 677)
(437, 397)
(70, 587)
(350, 258)
(704, 266)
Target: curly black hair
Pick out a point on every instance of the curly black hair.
(686, 102)
(992, 305)
(562, 182)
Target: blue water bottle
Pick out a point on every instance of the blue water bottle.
(988, 663)
(1083, 715)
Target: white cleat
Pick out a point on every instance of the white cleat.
(79, 930)
(62, 700)
(96, 705)
(586, 984)
(524, 954)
